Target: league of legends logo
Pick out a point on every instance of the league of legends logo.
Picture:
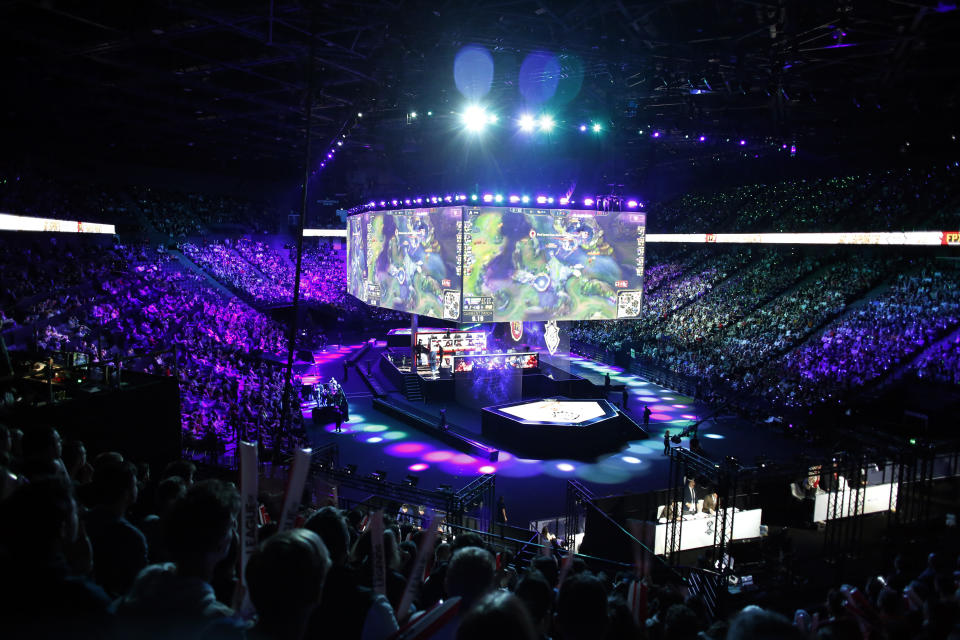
(516, 331)
(551, 335)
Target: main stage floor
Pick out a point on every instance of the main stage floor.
(535, 489)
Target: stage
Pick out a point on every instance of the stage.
(534, 488)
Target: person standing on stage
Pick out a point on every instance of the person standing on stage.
(606, 383)
(501, 511)
(626, 398)
(690, 497)
(339, 419)
(666, 443)
(646, 415)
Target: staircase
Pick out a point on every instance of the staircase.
(411, 387)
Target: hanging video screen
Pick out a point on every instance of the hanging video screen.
(541, 264)
(357, 255)
(411, 261)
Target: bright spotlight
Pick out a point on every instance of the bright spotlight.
(475, 118)
(413, 115)
(545, 123)
(597, 127)
(524, 199)
(526, 122)
(588, 202)
(498, 198)
(583, 127)
(492, 118)
(359, 114)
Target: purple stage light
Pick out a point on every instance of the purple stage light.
(743, 143)
(488, 197)
(382, 203)
(550, 200)
(656, 134)
(564, 200)
(498, 198)
(330, 155)
(419, 466)
(448, 199)
(583, 127)
(394, 202)
(588, 202)
(419, 200)
(524, 199)
(632, 204)
(339, 143)
(407, 201)
(541, 199)
(514, 198)
(703, 138)
(487, 468)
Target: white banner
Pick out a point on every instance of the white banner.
(377, 559)
(416, 574)
(298, 478)
(249, 518)
(889, 238)
(10, 222)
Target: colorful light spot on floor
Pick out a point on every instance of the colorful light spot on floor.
(679, 406)
(374, 439)
(713, 436)
(487, 468)
(405, 449)
(373, 428)
(688, 416)
(631, 460)
(565, 466)
(649, 398)
(395, 435)
(438, 456)
(420, 466)
(661, 416)
(462, 458)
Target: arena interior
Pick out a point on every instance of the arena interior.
(534, 319)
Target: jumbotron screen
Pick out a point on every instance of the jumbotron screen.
(517, 264)
(406, 260)
(544, 264)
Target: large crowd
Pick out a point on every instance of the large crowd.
(147, 311)
(893, 200)
(94, 545)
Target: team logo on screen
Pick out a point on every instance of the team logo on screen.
(451, 304)
(628, 304)
(551, 335)
(516, 331)
(950, 237)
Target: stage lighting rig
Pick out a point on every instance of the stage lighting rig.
(475, 118)
(527, 123)
(545, 123)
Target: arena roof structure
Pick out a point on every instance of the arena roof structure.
(227, 81)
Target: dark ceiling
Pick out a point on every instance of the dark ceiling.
(223, 84)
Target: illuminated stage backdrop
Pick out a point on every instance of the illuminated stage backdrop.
(499, 264)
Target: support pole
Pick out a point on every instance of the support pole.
(294, 320)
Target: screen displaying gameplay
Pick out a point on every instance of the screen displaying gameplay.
(410, 261)
(517, 264)
(357, 255)
(542, 264)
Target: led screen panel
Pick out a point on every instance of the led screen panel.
(357, 255)
(539, 264)
(410, 262)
